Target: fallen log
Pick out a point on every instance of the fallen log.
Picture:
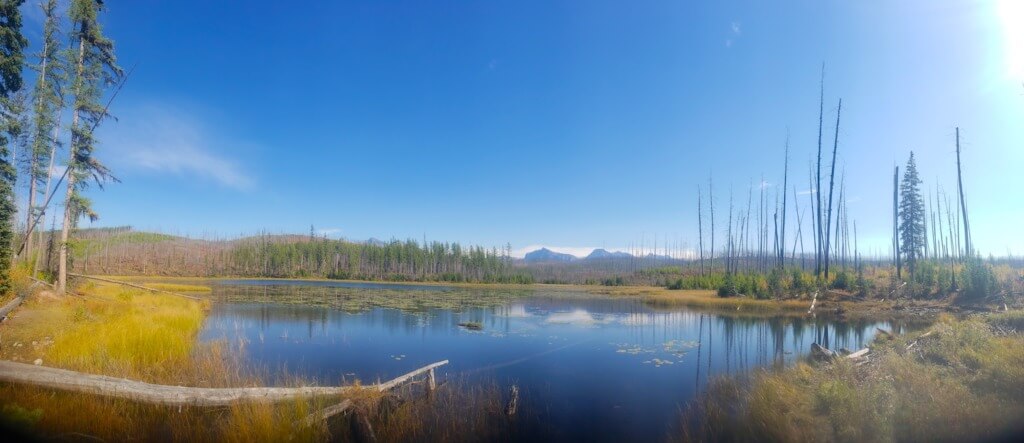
(885, 334)
(327, 413)
(513, 402)
(819, 352)
(41, 282)
(10, 307)
(403, 378)
(861, 353)
(107, 280)
(347, 405)
(62, 379)
(813, 301)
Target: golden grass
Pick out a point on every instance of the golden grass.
(963, 382)
(660, 297)
(126, 332)
(179, 287)
(135, 334)
(110, 330)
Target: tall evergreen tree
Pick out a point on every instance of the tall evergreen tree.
(47, 104)
(95, 67)
(911, 212)
(12, 43)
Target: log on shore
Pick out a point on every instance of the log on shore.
(146, 288)
(62, 379)
(10, 306)
(819, 352)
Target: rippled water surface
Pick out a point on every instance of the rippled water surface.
(590, 367)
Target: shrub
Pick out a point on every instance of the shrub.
(842, 281)
(728, 288)
(977, 279)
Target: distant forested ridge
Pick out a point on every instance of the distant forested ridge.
(125, 251)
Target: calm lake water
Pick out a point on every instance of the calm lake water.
(590, 367)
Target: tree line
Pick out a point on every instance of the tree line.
(931, 237)
(75, 77)
(123, 251)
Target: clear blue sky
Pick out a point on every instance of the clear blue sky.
(569, 124)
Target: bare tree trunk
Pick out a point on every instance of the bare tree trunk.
(49, 179)
(896, 222)
(831, 185)
(782, 233)
(728, 259)
(711, 201)
(799, 231)
(968, 247)
(700, 227)
(814, 213)
(62, 263)
(746, 226)
(817, 188)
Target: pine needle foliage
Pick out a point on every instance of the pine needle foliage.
(12, 44)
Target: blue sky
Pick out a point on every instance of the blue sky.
(569, 124)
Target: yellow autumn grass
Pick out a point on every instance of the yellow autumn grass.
(112, 330)
(960, 383)
(179, 287)
(700, 298)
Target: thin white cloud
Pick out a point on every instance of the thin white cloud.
(329, 232)
(807, 192)
(169, 141)
(735, 32)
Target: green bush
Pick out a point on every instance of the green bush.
(728, 288)
(977, 279)
(842, 281)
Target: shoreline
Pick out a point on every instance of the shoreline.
(833, 304)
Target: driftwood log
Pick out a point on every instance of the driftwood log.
(7, 308)
(361, 423)
(19, 298)
(513, 401)
(65, 380)
(107, 280)
(819, 352)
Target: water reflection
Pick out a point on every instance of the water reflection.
(597, 368)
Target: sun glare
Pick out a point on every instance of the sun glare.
(1011, 18)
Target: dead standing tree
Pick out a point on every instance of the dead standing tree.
(700, 229)
(831, 186)
(968, 247)
(895, 221)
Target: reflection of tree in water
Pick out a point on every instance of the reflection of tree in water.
(745, 342)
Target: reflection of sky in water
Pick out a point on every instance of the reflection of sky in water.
(595, 368)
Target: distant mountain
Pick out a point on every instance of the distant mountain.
(376, 242)
(545, 255)
(602, 253)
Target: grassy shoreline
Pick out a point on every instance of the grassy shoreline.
(959, 380)
(126, 332)
(131, 333)
(833, 304)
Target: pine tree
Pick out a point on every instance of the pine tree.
(12, 43)
(47, 104)
(911, 213)
(95, 67)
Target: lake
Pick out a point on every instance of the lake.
(590, 367)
